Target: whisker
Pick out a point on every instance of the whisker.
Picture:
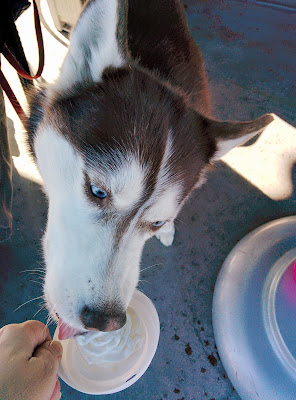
(37, 276)
(155, 265)
(144, 280)
(41, 308)
(47, 323)
(36, 270)
(178, 220)
(51, 321)
(50, 318)
(40, 283)
(29, 301)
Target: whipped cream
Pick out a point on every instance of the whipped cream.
(112, 347)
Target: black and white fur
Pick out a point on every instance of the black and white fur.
(130, 115)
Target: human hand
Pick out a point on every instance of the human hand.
(29, 362)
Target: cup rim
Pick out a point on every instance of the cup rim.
(144, 308)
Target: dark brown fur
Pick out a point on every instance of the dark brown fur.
(162, 89)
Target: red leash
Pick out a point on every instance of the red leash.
(13, 100)
(15, 64)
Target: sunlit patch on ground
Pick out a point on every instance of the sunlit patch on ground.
(267, 164)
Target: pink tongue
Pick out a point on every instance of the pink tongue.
(66, 331)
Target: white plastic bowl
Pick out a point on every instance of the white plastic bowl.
(107, 379)
(254, 313)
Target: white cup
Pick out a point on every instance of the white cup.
(112, 378)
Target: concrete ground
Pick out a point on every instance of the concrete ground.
(250, 57)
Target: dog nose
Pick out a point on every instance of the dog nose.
(102, 321)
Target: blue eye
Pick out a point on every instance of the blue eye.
(100, 193)
(157, 224)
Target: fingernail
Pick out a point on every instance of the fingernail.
(56, 348)
(59, 396)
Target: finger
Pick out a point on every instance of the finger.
(49, 354)
(36, 333)
(24, 337)
(44, 366)
(56, 392)
(9, 330)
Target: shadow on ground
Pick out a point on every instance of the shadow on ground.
(250, 60)
(180, 283)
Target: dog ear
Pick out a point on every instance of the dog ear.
(228, 134)
(99, 40)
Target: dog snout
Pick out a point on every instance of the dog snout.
(95, 319)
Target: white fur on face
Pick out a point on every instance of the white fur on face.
(125, 182)
(164, 202)
(164, 205)
(93, 45)
(128, 185)
(83, 268)
(164, 169)
(87, 265)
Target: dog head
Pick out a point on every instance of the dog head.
(119, 151)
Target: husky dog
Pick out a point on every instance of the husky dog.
(121, 140)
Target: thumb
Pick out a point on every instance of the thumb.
(50, 354)
(42, 370)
